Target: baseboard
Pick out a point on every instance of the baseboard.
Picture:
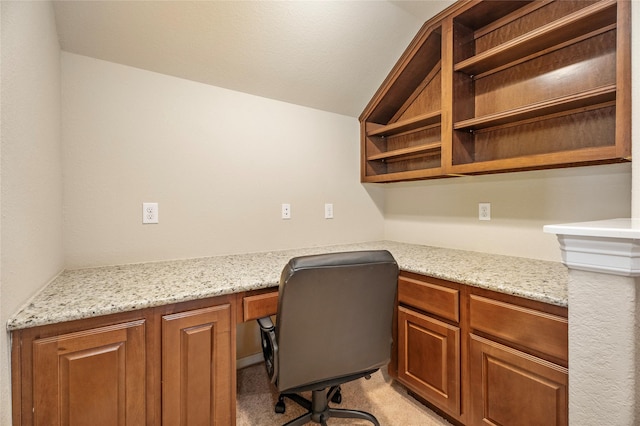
(249, 360)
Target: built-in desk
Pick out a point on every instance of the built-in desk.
(141, 326)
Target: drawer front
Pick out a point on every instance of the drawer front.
(525, 327)
(430, 297)
(259, 306)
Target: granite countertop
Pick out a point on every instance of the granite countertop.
(85, 293)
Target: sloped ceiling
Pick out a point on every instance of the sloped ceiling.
(329, 55)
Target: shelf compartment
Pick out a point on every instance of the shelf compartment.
(416, 123)
(600, 95)
(577, 157)
(568, 139)
(405, 153)
(574, 26)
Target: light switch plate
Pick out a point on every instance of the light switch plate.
(328, 211)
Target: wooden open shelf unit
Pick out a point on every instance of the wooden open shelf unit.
(401, 139)
(488, 87)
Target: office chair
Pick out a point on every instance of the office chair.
(334, 325)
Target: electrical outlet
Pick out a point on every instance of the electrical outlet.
(484, 211)
(328, 211)
(286, 211)
(149, 212)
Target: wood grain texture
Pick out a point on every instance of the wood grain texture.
(260, 305)
(509, 387)
(523, 86)
(430, 296)
(527, 328)
(623, 79)
(429, 358)
(524, 348)
(94, 377)
(196, 367)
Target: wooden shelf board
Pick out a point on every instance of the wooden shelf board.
(435, 172)
(570, 27)
(406, 125)
(604, 154)
(600, 95)
(416, 151)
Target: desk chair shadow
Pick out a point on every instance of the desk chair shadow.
(334, 325)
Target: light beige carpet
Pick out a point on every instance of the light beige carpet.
(380, 396)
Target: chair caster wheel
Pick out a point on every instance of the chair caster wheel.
(280, 407)
(337, 397)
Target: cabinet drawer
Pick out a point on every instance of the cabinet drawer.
(259, 306)
(430, 297)
(536, 330)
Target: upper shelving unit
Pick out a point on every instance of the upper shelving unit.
(492, 87)
(401, 127)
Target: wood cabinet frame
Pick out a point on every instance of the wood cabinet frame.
(149, 338)
(468, 324)
(523, 85)
(485, 335)
(22, 361)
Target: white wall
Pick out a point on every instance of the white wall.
(31, 171)
(445, 212)
(218, 162)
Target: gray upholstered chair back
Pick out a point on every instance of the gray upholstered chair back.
(334, 316)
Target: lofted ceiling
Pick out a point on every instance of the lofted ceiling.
(329, 55)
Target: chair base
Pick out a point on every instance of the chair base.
(319, 410)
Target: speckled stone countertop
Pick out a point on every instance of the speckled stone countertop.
(85, 293)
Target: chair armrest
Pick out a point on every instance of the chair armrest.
(269, 347)
(266, 324)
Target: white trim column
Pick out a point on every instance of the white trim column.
(603, 258)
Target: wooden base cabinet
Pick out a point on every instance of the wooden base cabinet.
(429, 358)
(510, 387)
(480, 357)
(94, 377)
(170, 365)
(518, 357)
(429, 339)
(196, 347)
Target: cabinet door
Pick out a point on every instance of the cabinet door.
(429, 358)
(94, 377)
(197, 374)
(509, 387)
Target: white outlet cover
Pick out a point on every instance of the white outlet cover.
(286, 211)
(484, 211)
(149, 212)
